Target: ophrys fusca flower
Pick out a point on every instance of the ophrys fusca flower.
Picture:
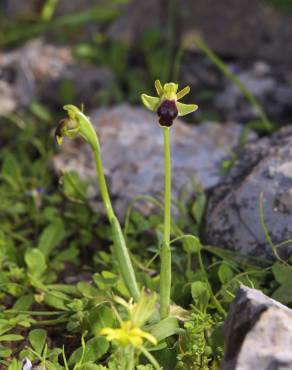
(167, 104)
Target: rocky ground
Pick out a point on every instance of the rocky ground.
(232, 220)
(257, 333)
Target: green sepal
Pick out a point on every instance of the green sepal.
(184, 109)
(86, 128)
(150, 102)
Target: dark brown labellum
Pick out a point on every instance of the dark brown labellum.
(60, 128)
(167, 112)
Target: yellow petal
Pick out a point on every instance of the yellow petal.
(107, 331)
(149, 337)
(136, 341)
(150, 102)
(184, 109)
(143, 334)
(183, 92)
(59, 139)
(158, 87)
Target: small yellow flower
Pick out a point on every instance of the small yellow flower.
(128, 334)
(166, 104)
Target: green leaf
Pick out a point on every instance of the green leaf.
(11, 338)
(51, 236)
(281, 272)
(11, 169)
(92, 366)
(41, 112)
(164, 328)
(95, 348)
(201, 294)
(105, 280)
(5, 352)
(14, 365)
(191, 244)
(73, 187)
(24, 302)
(37, 339)
(87, 290)
(100, 317)
(56, 300)
(198, 208)
(5, 326)
(284, 292)
(225, 273)
(36, 262)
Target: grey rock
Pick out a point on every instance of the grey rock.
(258, 333)
(248, 29)
(132, 148)
(233, 217)
(22, 69)
(273, 91)
(8, 100)
(38, 70)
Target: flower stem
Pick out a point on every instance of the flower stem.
(103, 186)
(150, 358)
(120, 250)
(165, 253)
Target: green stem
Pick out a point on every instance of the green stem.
(165, 254)
(103, 186)
(150, 358)
(203, 270)
(226, 71)
(215, 301)
(266, 233)
(119, 245)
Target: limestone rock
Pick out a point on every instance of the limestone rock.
(258, 333)
(233, 217)
(264, 82)
(38, 69)
(23, 68)
(132, 150)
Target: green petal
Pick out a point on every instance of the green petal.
(158, 87)
(150, 102)
(170, 87)
(183, 92)
(184, 109)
